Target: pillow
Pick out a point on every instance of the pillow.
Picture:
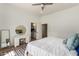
(73, 53)
(77, 50)
(76, 42)
(65, 41)
(71, 42)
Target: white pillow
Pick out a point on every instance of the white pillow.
(73, 53)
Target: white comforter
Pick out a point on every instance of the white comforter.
(50, 46)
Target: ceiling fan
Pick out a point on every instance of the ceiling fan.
(42, 5)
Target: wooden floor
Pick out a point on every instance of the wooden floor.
(12, 51)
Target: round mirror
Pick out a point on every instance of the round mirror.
(20, 30)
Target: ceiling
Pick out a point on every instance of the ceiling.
(48, 9)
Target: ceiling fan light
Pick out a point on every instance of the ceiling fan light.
(42, 5)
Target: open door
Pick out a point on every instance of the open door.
(44, 30)
(33, 31)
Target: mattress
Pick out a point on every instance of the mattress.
(50, 46)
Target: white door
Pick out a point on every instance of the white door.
(4, 36)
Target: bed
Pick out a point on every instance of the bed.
(50, 46)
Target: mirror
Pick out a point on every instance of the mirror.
(20, 30)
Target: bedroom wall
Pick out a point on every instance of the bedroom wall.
(11, 16)
(2, 17)
(63, 23)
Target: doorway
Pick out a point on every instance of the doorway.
(33, 31)
(44, 30)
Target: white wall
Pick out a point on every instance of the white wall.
(12, 16)
(63, 23)
(39, 30)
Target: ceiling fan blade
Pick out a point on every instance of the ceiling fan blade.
(42, 3)
(48, 3)
(37, 4)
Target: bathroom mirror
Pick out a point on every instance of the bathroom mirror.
(20, 30)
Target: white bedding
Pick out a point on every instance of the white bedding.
(50, 46)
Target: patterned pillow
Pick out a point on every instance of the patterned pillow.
(76, 42)
(65, 41)
(72, 42)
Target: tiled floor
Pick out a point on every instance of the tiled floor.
(11, 51)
